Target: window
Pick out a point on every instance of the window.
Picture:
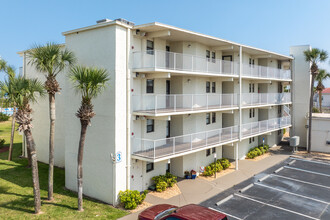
(252, 87)
(207, 87)
(168, 167)
(279, 132)
(213, 150)
(208, 55)
(208, 152)
(253, 113)
(279, 110)
(250, 140)
(214, 117)
(150, 167)
(150, 47)
(253, 62)
(250, 61)
(150, 86)
(208, 118)
(213, 87)
(279, 64)
(213, 57)
(250, 115)
(150, 125)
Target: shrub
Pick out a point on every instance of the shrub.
(315, 110)
(164, 181)
(262, 150)
(208, 171)
(132, 198)
(216, 167)
(224, 163)
(2, 143)
(4, 117)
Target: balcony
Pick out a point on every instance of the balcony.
(255, 71)
(182, 103)
(251, 99)
(168, 147)
(156, 150)
(154, 60)
(256, 128)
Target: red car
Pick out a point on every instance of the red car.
(187, 212)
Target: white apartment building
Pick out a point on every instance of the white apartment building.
(176, 99)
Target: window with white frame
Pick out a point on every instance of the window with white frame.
(150, 167)
(208, 85)
(150, 125)
(214, 117)
(150, 47)
(213, 87)
(208, 152)
(208, 55)
(213, 57)
(150, 86)
(208, 120)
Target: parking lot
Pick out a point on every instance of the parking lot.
(297, 189)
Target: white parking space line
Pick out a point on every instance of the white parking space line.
(274, 206)
(246, 188)
(224, 200)
(229, 215)
(263, 178)
(306, 197)
(301, 181)
(278, 170)
(307, 171)
(292, 162)
(310, 161)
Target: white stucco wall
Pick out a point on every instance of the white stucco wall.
(320, 132)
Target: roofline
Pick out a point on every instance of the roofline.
(95, 26)
(23, 51)
(210, 37)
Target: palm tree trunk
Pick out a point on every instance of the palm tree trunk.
(35, 175)
(10, 153)
(84, 125)
(51, 145)
(320, 100)
(28, 151)
(310, 115)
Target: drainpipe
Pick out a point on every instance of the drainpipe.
(240, 104)
(236, 156)
(128, 111)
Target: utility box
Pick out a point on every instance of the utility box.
(294, 142)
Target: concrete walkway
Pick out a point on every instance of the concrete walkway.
(199, 190)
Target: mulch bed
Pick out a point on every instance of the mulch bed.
(4, 149)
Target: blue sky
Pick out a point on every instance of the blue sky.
(268, 24)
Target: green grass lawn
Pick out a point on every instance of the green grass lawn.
(16, 192)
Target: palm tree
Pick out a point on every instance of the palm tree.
(323, 75)
(8, 88)
(27, 91)
(50, 59)
(89, 82)
(314, 56)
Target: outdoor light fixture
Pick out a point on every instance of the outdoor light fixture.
(189, 45)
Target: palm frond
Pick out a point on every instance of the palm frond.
(89, 81)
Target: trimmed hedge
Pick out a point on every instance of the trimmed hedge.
(257, 151)
(164, 181)
(132, 198)
(4, 117)
(221, 164)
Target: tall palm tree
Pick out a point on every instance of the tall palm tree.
(8, 88)
(50, 59)
(28, 91)
(89, 82)
(314, 56)
(323, 75)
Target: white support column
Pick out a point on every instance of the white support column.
(240, 91)
(236, 156)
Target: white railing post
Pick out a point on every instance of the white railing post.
(192, 63)
(219, 135)
(154, 150)
(174, 104)
(220, 104)
(174, 61)
(207, 65)
(173, 145)
(205, 138)
(220, 66)
(155, 59)
(191, 142)
(207, 101)
(155, 103)
(192, 101)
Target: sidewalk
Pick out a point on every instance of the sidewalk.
(198, 190)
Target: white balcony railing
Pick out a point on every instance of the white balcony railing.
(265, 72)
(182, 102)
(154, 149)
(265, 98)
(155, 59)
(163, 60)
(258, 127)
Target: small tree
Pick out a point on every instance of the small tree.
(50, 60)
(313, 56)
(28, 90)
(323, 75)
(89, 82)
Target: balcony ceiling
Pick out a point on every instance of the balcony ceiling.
(178, 34)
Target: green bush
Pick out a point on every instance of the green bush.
(164, 181)
(315, 110)
(216, 167)
(208, 171)
(132, 198)
(4, 117)
(262, 150)
(2, 143)
(257, 151)
(224, 163)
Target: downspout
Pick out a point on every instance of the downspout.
(239, 105)
(128, 110)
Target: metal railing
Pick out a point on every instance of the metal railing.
(183, 62)
(154, 149)
(254, 128)
(265, 98)
(183, 102)
(265, 72)
(159, 148)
